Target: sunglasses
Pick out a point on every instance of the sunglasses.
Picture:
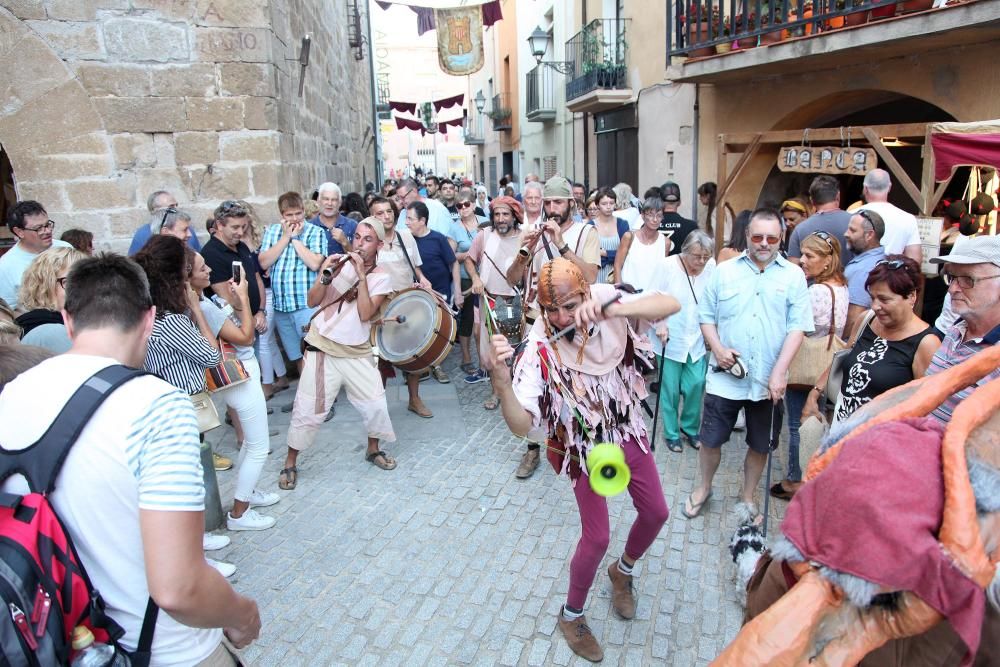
(825, 237)
(868, 218)
(893, 264)
(771, 239)
(463, 204)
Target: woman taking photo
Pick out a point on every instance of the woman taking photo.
(683, 356)
(893, 347)
(820, 262)
(42, 295)
(235, 326)
(612, 233)
(460, 236)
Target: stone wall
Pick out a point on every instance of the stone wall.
(105, 101)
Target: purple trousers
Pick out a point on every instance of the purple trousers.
(647, 497)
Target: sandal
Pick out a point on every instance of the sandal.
(781, 492)
(692, 509)
(747, 514)
(468, 367)
(674, 445)
(387, 462)
(288, 478)
(491, 403)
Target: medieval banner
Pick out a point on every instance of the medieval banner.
(460, 39)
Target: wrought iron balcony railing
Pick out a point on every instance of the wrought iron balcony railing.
(599, 57)
(500, 112)
(540, 97)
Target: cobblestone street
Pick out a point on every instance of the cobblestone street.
(450, 559)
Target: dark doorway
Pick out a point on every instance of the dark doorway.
(618, 147)
(508, 164)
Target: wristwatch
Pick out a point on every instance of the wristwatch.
(524, 252)
(565, 249)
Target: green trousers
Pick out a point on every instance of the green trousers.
(682, 381)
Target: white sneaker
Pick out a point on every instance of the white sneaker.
(250, 520)
(225, 569)
(263, 499)
(210, 542)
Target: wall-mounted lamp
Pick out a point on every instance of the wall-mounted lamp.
(480, 101)
(539, 43)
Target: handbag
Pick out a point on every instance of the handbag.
(204, 409)
(815, 354)
(836, 376)
(228, 373)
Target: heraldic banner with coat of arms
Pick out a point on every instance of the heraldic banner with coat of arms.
(460, 39)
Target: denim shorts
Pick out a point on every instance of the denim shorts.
(289, 328)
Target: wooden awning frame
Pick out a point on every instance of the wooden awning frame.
(748, 144)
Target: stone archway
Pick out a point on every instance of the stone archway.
(50, 130)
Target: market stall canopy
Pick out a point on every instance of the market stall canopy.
(964, 145)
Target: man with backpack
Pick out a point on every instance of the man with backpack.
(130, 491)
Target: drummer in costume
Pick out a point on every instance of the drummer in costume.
(491, 253)
(338, 350)
(581, 390)
(558, 236)
(400, 258)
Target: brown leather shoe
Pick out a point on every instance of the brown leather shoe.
(580, 639)
(418, 408)
(621, 594)
(528, 465)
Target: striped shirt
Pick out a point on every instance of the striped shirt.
(179, 354)
(290, 277)
(139, 451)
(954, 350)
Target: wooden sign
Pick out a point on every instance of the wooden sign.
(827, 160)
(930, 243)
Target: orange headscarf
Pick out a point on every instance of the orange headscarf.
(558, 281)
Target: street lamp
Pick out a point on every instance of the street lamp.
(539, 43)
(480, 101)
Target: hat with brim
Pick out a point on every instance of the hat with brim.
(978, 250)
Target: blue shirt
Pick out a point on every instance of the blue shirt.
(437, 257)
(144, 233)
(754, 311)
(464, 238)
(344, 223)
(857, 271)
(290, 277)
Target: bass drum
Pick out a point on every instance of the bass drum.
(424, 337)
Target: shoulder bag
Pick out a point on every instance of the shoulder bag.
(228, 373)
(815, 354)
(836, 376)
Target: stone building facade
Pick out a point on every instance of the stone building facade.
(105, 101)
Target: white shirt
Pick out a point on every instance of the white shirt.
(13, 264)
(631, 216)
(900, 227)
(685, 328)
(139, 451)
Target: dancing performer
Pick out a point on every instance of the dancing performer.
(580, 390)
(339, 353)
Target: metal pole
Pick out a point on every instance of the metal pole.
(377, 138)
(659, 388)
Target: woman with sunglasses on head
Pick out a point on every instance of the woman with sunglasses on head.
(460, 236)
(893, 345)
(828, 293)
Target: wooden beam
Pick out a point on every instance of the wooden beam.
(890, 161)
(725, 181)
(825, 134)
(938, 193)
(927, 176)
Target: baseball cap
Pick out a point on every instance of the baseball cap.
(670, 191)
(557, 187)
(978, 250)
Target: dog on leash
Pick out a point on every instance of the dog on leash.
(746, 547)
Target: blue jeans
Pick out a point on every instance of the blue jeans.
(289, 328)
(795, 401)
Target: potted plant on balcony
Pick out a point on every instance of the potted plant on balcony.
(698, 32)
(910, 6)
(772, 19)
(883, 9)
(743, 24)
(857, 13)
(722, 27)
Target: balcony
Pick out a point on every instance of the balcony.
(472, 128)
(598, 80)
(500, 113)
(540, 100)
(723, 40)
(382, 96)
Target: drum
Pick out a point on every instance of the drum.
(423, 338)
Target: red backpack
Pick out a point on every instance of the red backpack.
(43, 583)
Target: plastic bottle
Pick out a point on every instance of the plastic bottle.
(93, 653)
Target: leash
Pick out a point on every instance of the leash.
(771, 446)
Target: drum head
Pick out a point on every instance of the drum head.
(399, 342)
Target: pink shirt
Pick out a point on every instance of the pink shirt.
(341, 322)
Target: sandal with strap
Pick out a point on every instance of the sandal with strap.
(695, 507)
(387, 462)
(491, 403)
(288, 478)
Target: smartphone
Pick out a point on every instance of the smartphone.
(237, 272)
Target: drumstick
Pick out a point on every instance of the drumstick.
(398, 319)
